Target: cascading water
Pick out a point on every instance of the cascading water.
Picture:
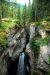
(21, 70)
(20, 66)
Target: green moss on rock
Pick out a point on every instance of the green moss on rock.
(3, 40)
(35, 47)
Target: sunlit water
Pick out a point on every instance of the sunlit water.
(20, 70)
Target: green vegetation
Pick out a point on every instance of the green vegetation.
(7, 23)
(44, 41)
(46, 19)
(36, 43)
(49, 59)
(22, 16)
(3, 39)
(47, 26)
(35, 47)
(37, 24)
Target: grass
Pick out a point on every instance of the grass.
(7, 23)
(10, 22)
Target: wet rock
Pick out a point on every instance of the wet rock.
(31, 54)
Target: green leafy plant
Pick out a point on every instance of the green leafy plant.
(47, 18)
(37, 24)
(35, 47)
(18, 24)
(44, 41)
(3, 41)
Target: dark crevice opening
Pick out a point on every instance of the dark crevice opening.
(27, 38)
(12, 68)
(13, 65)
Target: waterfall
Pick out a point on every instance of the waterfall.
(21, 70)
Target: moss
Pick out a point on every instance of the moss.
(3, 40)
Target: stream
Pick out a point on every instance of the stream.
(21, 70)
(22, 66)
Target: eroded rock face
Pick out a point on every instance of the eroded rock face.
(43, 60)
(16, 43)
(28, 48)
(45, 51)
(31, 54)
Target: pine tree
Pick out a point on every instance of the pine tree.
(0, 13)
(24, 15)
(33, 11)
(4, 8)
(19, 16)
(29, 12)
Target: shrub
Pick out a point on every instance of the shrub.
(19, 24)
(37, 24)
(0, 26)
(47, 18)
(44, 41)
(3, 41)
(34, 47)
(47, 26)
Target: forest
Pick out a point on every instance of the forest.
(25, 37)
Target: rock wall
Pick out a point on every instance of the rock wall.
(16, 43)
(31, 54)
(43, 64)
